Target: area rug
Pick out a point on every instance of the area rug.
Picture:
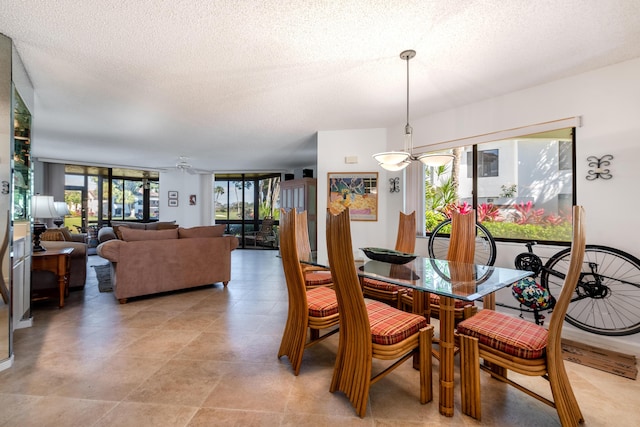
(606, 360)
(103, 273)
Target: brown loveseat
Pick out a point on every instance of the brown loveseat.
(147, 262)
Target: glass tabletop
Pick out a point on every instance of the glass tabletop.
(467, 282)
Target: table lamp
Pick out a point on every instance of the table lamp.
(42, 207)
(62, 210)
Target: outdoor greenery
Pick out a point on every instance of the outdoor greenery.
(520, 221)
(536, 232)
(268, 192)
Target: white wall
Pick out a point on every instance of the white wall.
(333, 147)
(185, 184)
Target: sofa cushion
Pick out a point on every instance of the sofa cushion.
(52, 235)
(166, 225)
(204, 231)
(66, 233)
(132, 234)
(130, 224)
(106, 233)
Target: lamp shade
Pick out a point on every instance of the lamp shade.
(395, 167)
(391, 157)
(435, 160)
(43, 207)
(62, 209)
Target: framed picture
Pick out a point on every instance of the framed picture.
(173, 195)
(173, 203)
(357, 191)
(192, 200)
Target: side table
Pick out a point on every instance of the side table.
(56, 261)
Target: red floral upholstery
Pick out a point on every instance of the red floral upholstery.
(317, 278)
(380, 285)
(322, 302)
(390, 325)
(508, 334)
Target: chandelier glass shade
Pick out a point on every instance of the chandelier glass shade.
(398, 160)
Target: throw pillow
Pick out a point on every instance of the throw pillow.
(118, 230)
(204, 231)
(66, 233)
(132, 234)
(52, 234)
(165, 225)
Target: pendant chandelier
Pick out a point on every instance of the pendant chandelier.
(398, 160)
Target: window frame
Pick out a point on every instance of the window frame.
(475, 177)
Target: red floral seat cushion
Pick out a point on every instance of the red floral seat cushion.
(380, 285)
(508, 334)
(322, 302)
(390, 325)
(317, 278)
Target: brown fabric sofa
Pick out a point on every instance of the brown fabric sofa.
(147, 262)
(59, 238)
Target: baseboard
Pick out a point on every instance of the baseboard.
(611, 361)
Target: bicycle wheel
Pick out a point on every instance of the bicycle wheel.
(607, 298)
(485, 252)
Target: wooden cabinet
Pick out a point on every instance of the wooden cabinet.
(301, 194)
(21, 271)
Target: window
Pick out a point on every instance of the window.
(487, 163)
(565, 151)
(242, 201)
(88, 190)
(531, 197)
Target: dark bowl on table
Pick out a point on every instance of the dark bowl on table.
(388, 255)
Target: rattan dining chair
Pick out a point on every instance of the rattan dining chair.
(313, 276)
(370, 329)
(461, 249)
(405, 242)
(511, 343)
(313, 309)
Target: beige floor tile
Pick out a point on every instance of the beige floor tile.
(180, 382)
(134, 414)
(60, 411)
(212, 417)
(208, 357)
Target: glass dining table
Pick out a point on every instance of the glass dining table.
(449, 280)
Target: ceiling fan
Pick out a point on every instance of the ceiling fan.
(183, 165)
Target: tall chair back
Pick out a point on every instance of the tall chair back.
(406, 240)
(370, 329)
(314, 309)
(462, 241)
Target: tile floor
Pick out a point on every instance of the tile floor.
(207, 357)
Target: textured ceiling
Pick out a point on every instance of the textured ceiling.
(244, 85)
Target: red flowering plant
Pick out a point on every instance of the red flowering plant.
(463, 209)
(525, 214)
(488, 212)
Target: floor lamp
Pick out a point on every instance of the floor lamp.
(42, 207)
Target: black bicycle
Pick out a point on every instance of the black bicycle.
(485, 251)
(606, 300)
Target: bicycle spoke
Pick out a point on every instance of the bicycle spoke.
(485, 246)
(607, 299)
